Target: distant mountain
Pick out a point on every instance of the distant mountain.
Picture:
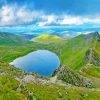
(11, 39)
(47, 38)
(65, 34)
(28, 36)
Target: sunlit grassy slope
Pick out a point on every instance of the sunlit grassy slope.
(47, 38)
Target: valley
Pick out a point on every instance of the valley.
(77, 78)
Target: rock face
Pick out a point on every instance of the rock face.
(92, 57)
(71, 77)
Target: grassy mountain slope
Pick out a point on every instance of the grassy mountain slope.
(74, 53)
(47, 38)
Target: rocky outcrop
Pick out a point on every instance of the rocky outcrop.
(71, 77)
(92, 57)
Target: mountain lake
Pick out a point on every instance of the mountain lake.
(43, 62)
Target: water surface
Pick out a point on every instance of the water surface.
(42, 62)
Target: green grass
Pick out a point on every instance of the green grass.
(93, 71)
(50, 91)
(73, 53)
(8, 86)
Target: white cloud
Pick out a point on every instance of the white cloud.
(14, 15)
(78, 33)
(67, 20)
(95, 20)
(47, 19)
(79, 20)
(71, 20)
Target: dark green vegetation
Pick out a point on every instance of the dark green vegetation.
(80, 66)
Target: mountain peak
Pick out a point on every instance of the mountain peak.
(47, 38)
(95, 33)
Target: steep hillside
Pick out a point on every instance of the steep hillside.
(47, 38)
(81, 50)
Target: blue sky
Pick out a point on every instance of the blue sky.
(16, 14)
